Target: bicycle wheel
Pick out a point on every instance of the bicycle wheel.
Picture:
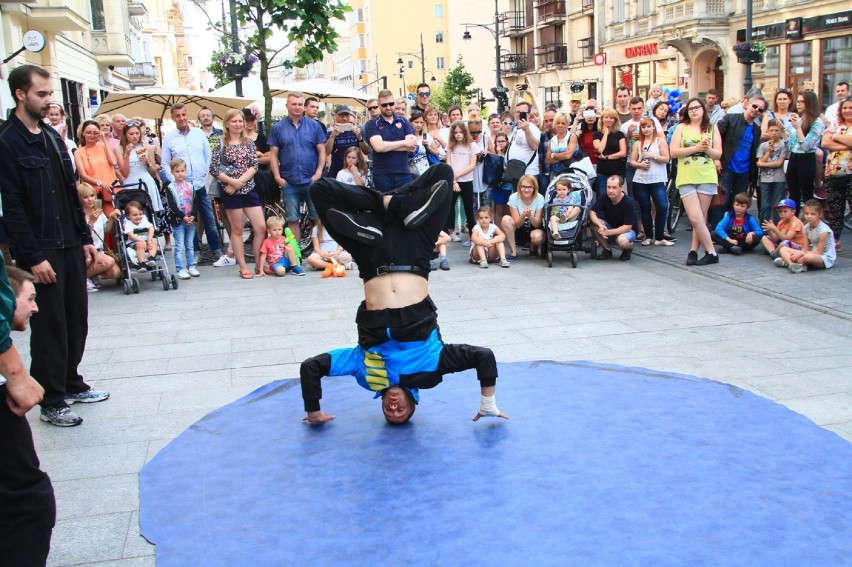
(847, 218)
(675, 208)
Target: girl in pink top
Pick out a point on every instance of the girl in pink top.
(461, 156)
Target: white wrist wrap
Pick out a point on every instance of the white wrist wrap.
(487, 406)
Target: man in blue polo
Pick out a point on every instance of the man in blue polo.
(391, 138)
(297, 145)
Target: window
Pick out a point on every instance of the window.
(643, 7)
(98, 21)
(618, 12)
(766, 74)
(439, 11)
(440, 63)
(439, 37)
(410, 64)
(837, 65)
(553, 95)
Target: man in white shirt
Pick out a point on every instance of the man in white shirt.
(841, 91)
(523, 143)
(630, 129)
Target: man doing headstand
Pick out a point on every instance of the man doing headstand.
(399, 350)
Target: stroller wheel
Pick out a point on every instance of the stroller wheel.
(174, 282)
(153, 276)
(135, 285)
(126, 287)
(165, 283)
(550, 258)
(594, 249)
(573, 259)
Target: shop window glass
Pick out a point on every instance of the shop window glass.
(665, 72)
(765, 75)
(837, 61)
(800, 58)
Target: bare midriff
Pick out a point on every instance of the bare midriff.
(395, 290)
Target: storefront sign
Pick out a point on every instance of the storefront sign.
(829, 22)
(641, 50)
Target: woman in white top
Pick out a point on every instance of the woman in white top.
(649, 158)
(461, 156)
(563, 144)
(523, 224)
(354, 170)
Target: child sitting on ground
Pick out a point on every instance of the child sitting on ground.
(738, 231)
(440, 250)
(770, 161)
(488, 241)
(820, 238)
(788, 231)
(278, 256)
(326, 248)
(139, 231)
(564, 217)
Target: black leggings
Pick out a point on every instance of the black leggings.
(466, 195)
(801, 176)
(400, 245)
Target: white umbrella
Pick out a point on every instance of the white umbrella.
(155, 104)
(325, 91)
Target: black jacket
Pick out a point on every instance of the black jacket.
(731, 127)
(29, 186)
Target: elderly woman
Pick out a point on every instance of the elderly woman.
(523, 224)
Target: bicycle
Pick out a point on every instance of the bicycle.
(675, 207)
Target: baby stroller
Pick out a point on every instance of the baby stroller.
(156, 266)
(579, 176)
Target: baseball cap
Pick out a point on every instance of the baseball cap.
(343, 109)
(576, 97)
(789, 203)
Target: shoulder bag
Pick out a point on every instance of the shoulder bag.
(213, 185)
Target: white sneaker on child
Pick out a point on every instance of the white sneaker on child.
(194, 272)
(456, 237)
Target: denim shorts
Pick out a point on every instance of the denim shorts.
(282, 263)
(613, 238)
(703, 188)
(294, 196)
(232, 202)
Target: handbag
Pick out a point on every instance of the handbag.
(492, 169)
(719, 198)
(516, 168)
(213, 185)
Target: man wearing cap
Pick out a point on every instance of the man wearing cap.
(342, 136)
(574, 104)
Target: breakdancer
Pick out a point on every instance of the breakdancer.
(400, 351)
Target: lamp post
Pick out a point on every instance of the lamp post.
(421, 58)
(235, 43)
(747, 75)
(496, 33)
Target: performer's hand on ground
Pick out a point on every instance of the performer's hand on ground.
(500, 414)
(317, 417)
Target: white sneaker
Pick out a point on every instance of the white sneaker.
(224, 260)
(183, 275)
(456, 237)
(194, 272)
(483, 263)
(90, 286)
(350, 265)
(467, 243)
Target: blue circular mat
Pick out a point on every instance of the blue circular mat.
(599, 465)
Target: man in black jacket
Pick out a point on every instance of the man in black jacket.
(740, 139)
(43, 218)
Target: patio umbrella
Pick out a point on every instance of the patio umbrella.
(325, 91)
(156, 103)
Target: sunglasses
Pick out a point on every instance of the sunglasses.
(784, 90)
(757, 107)
(508, 123)
(372, 107)
(387, 104)
(424, 93)
(133, 124)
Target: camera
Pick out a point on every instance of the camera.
(345, 127)
(588, 114)
(524, 86)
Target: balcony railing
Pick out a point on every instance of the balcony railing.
(586, 47)
(142, 71)
(513, 22)
(554, 54)
(550, 9)
(588, 5)
(679, 10)
(516, 63)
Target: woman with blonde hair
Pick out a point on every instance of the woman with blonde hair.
(234, 164)
(523, 225)
(611, 148)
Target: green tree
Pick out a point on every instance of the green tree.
(307, 25)
(455, 89)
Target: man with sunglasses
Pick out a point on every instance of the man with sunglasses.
(740, 140)
(391, 138)
(424, 95)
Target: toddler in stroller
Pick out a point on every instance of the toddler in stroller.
(139, 232)
(568, 199)
(566, 208)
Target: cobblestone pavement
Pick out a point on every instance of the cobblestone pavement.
(168, 358)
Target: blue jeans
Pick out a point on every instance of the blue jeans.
(385, 182)
(770, 195)
(294, 194)
(205, 211)
(644, 192)
(600, 186)
(733, 183)
(629, 172)
(184, 235)
(543, 181)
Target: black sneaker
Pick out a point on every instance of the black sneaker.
(421, 204)
(625, 254)
(707, 259)
(605, 254)
(60, 417)
(355, 226)
(691, 258)
(736, 250)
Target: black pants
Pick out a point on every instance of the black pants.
(741, 243)
(399, 246)
(466, 195)
(801, 176)
(839, 191)
(60, 327)
(27, 505)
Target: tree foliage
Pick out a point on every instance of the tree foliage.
(455, 89)
(307, 25)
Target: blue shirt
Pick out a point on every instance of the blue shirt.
(395, 162)
(298, 156)
(193, 148)
(741, 160)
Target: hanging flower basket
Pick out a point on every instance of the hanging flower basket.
(748, 53)
(236, 65)
(237, 71)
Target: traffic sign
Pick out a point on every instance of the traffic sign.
(599, 59)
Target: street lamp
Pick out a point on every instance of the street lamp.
(496, 33)
(421, 58)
